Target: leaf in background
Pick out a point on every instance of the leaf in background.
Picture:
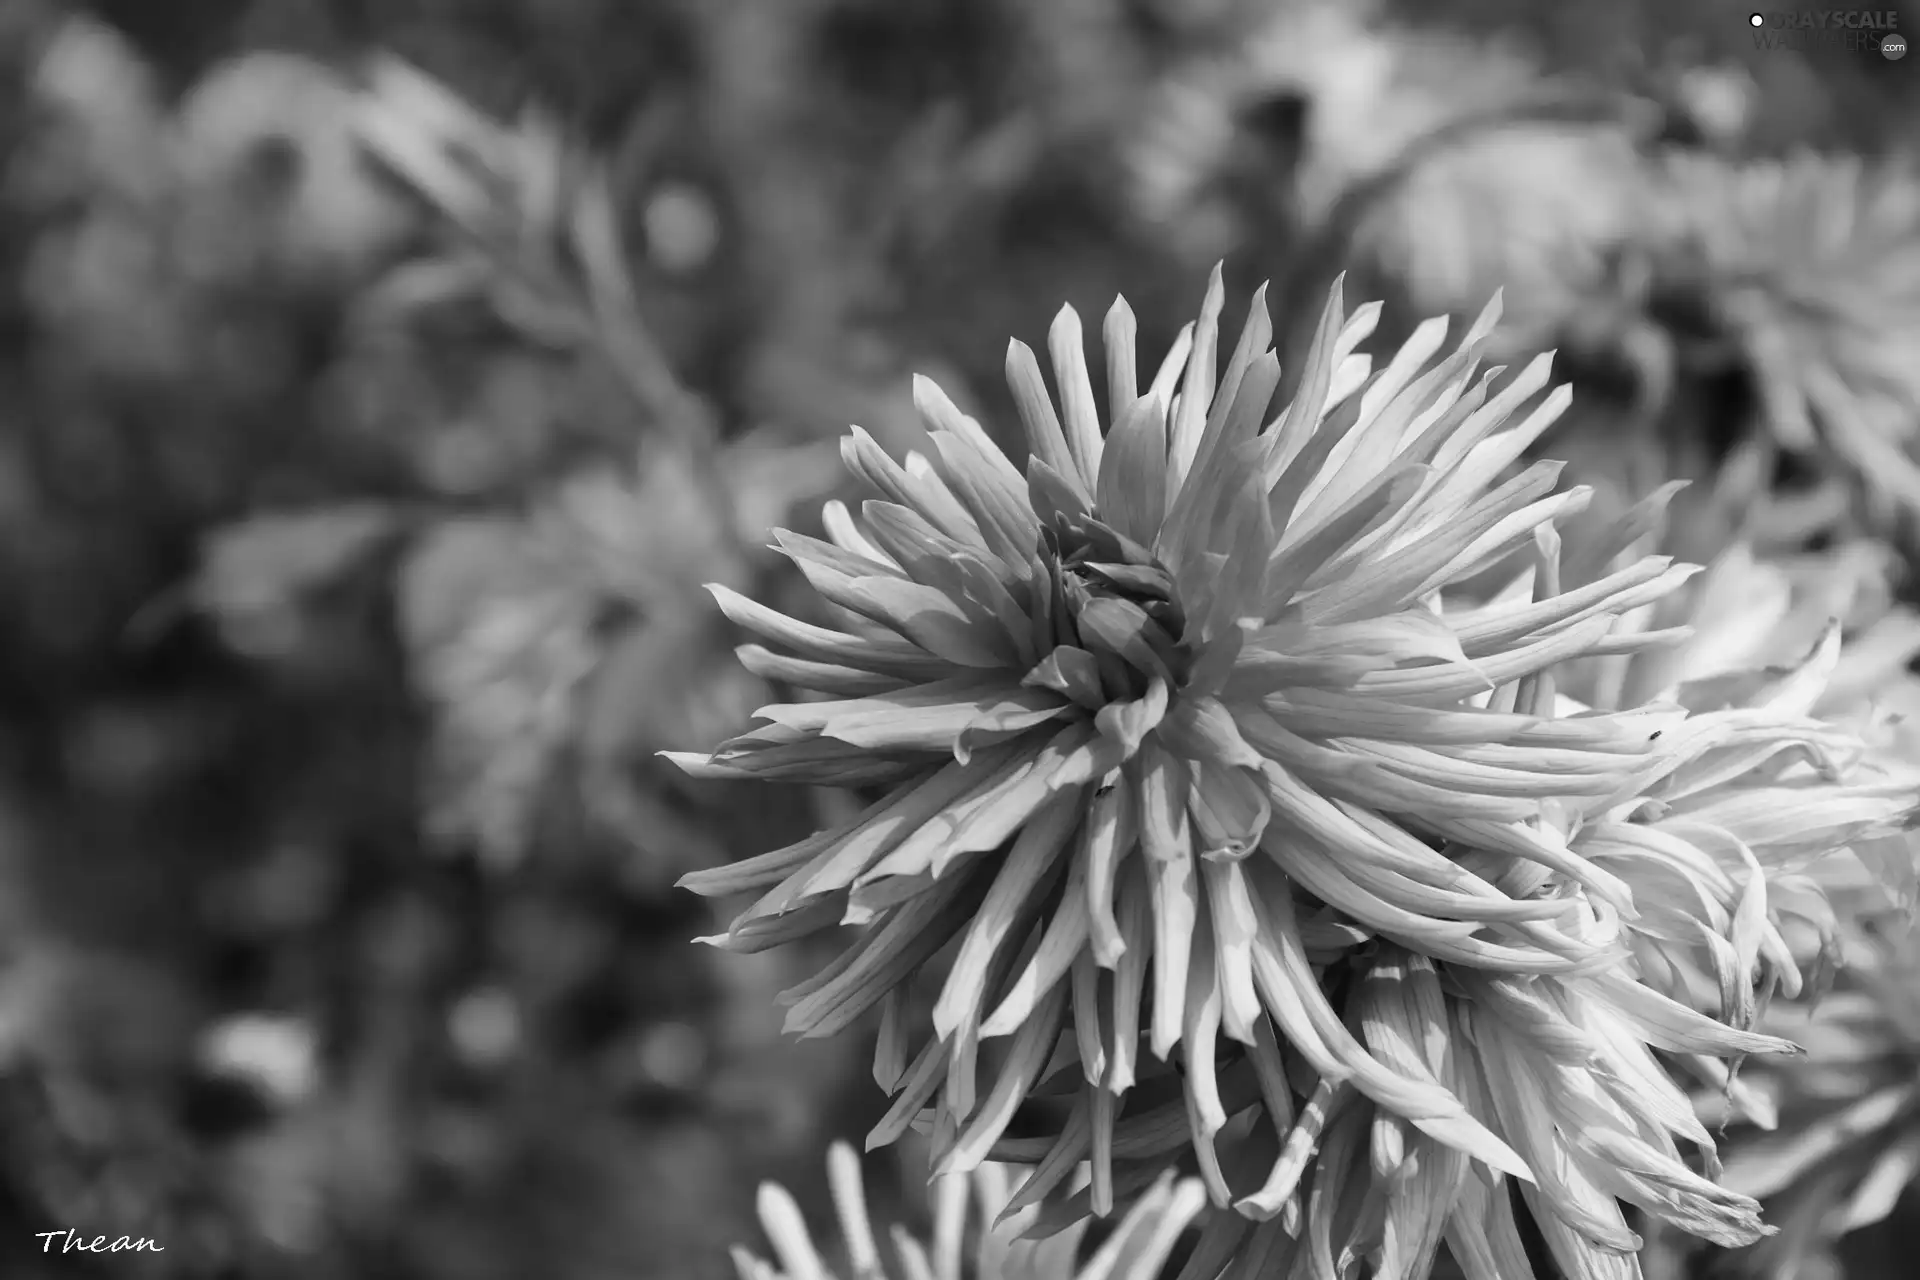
(507, 623)
(501, 639)
(273, 176)
(254, 576)
(513, 192)
(104, 105)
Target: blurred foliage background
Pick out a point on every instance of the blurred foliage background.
(379, 382)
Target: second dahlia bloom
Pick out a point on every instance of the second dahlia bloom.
(1800, 819)
(1807, 266)
(1845, 1152)
(1805, 660)
(1170, 719)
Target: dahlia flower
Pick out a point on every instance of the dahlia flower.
(1170, 723)
(1846, 1148)
(1829, 1138)
(1808, 267)
(1752, 625)
(976, 1235)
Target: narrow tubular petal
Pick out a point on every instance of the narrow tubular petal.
(1130, 484)
(1033, 853)
(1067, 346)
(1089, 1034)
(770, 868)
(787, 1232)
(1018, 1074)
(821, 677)
(1065, 937)
(1293, 997)
(1327, 713)
(1326, 1102)
(940, 414)
(1060, 1162)
(1196, 391)
(1166, 841)
(850, 1204)
(924, 493)
(1008, 529)
(753, 935)
(1167, 378)
(931, 619)
(1372, 843)
(890, 823)
(1107, 836)
(885, 956)
(1004, 799)
(1304, 549)
(1118, 336)
(1230, 908)
(1389, 583)
(1045, 438)
(1667, 1024)
(1290, 433)
(924, 717)
(1493, 628)
(1141, 1245)
(1206, 1115)
(885, 657)
(845, 533)
(1527, 1114)
(1451, 684)
(1129, 978)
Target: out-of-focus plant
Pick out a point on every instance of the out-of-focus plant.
(1841, 1148)
(254, 182)
(532, 553)
(520, 620)
(1437, 166)
(535, 235)
(1744, 305)
(1339, 93)
(1806, 271)
(272, 138)
(564, 643)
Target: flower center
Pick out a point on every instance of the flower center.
(1116, 601)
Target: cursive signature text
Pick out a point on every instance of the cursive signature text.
(73, 1242)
